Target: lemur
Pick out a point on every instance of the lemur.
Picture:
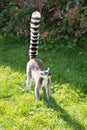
(35, 70)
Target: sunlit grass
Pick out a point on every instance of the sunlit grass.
(67, 107)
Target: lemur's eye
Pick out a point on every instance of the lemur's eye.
(42, 73)
(46, 73)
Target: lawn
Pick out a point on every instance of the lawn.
(67, 107)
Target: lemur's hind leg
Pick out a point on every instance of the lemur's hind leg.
(37, 90)
(29, 78)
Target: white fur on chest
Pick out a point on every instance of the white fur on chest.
(44, 82)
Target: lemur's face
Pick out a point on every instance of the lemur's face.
(45, 73)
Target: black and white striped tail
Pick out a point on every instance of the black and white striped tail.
(34, 34)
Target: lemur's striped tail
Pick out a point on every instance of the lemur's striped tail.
(34, 34)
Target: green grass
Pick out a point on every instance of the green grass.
(67, 107)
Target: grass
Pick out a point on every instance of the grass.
(67, 108)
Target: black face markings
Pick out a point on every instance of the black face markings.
(45, 73)
(42, 73)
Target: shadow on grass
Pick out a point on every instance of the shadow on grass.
(72, 123)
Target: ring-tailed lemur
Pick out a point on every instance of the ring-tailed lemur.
(35, 69)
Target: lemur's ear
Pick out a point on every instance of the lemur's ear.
(48, 69)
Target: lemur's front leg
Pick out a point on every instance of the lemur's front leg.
(48, 89)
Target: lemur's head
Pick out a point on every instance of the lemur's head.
(45, 73)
